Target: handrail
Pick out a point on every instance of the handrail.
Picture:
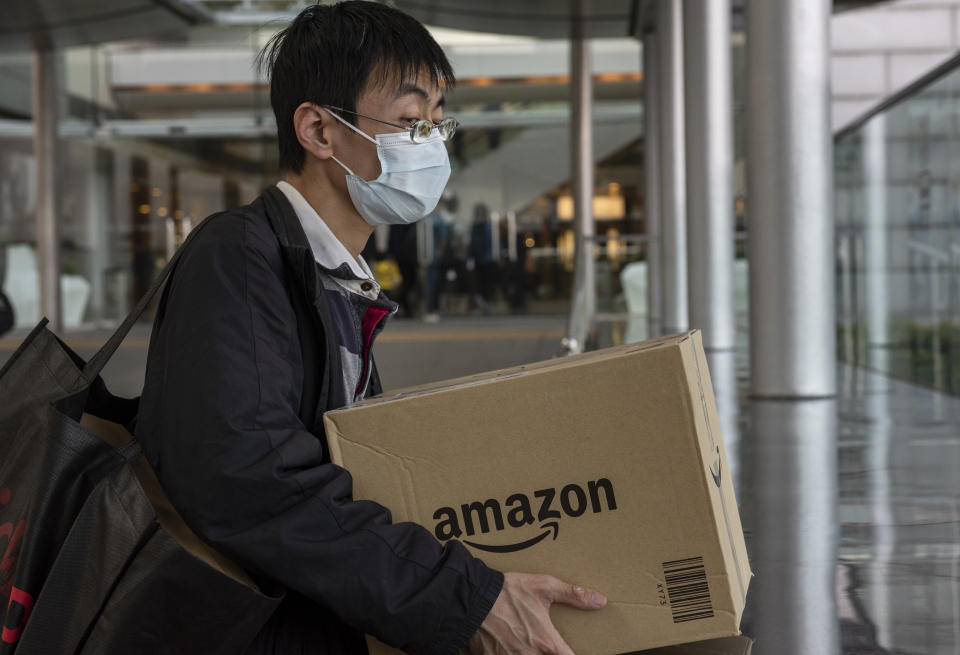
(906, 92)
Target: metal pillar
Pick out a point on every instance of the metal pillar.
(709, 159)
(793, 498)
(651, 183)
(672, 170)
(875, 251)
(584, 305)
(789, 182)
(881, 437)
(45, 102)
(723, 377)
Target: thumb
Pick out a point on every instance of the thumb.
(579, 597)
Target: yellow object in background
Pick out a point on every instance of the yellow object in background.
(387, 274)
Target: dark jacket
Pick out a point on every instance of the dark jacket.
(237, 357)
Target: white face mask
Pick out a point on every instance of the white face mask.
(412, 178)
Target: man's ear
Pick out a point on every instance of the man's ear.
(314, 128)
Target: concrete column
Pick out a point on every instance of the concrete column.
(651, 183)
(45, 104)
(790, 200)
(673, 188)
(99, 220)
(584, 305)
(708, 91)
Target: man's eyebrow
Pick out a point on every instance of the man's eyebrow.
(413, 89)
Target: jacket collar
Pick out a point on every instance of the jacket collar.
(293, 240)
(332, 256)
(298, 257)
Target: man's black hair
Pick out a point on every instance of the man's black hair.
(328, 54)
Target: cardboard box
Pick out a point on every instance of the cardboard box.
(605, 469)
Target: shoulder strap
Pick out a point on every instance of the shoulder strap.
(100, 359)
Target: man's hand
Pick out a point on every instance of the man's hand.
(519, 622)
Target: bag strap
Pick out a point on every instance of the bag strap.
(99, 360)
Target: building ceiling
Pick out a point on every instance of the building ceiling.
(28, 24)
(540, 18)
(554, 19)
(645, 15)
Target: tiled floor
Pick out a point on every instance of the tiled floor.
(853, 521)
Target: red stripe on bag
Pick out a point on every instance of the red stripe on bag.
(25, 600)
(9, 560)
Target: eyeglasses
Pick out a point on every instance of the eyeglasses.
(419, 131)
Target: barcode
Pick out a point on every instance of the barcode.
(687, 589)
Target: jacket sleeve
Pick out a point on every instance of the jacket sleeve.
(218, 422)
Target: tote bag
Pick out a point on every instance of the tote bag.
(93, 557)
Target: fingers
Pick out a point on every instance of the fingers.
(579, 597)
(519, 620)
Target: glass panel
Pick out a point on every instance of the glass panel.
(898, 238)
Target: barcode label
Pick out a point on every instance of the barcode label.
(687, 589)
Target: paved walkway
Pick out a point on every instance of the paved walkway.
(851, 507)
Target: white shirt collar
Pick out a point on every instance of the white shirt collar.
(328, 250)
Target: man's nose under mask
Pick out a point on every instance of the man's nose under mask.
(412, 178)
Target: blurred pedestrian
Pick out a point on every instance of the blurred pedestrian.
(443, 259)
(517, 277)
(6, 314)
(402, 249)
(480, 259)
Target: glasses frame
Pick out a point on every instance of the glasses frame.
(417, 132)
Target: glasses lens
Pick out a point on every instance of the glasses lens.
(420, 131)
(447, 127)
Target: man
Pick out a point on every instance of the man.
(269, 321)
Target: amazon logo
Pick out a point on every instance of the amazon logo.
(546, 507)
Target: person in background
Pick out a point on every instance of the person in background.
(517, 277)
(7, 318)
(480, 259)
(402, 249)
(443, 255)
(387, 274)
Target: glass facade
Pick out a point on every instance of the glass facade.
(125, 201)
(148, 151)
(130, 195)
(898, 237)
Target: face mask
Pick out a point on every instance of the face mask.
(412, 178)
